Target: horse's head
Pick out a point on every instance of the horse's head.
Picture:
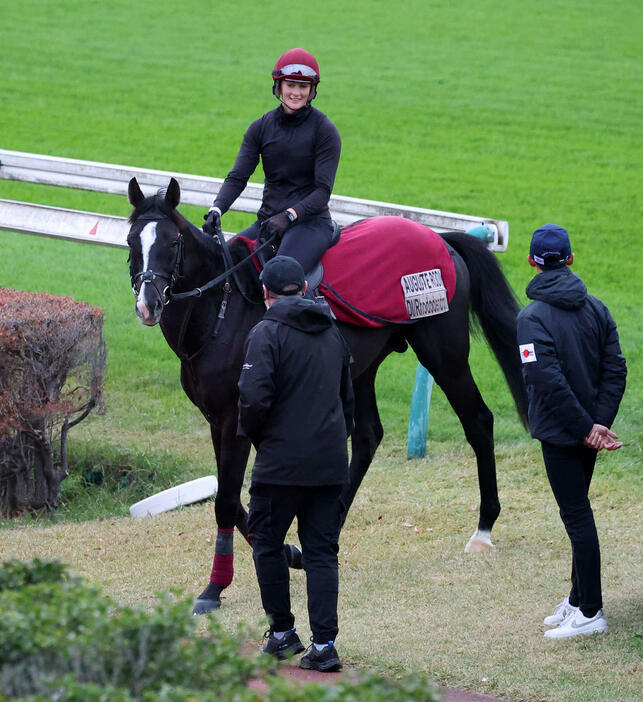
(156, 248)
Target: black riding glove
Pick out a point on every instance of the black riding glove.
(212, 221)
(278, 224)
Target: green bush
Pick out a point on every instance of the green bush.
(62, 639)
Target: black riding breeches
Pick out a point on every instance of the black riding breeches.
(306, 241)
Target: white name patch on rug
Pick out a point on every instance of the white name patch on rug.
(424, 293)
(527, 353)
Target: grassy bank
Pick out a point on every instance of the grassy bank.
(410, 599)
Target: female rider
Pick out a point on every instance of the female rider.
(299, 149)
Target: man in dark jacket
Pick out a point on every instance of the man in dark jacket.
(296, 406)
(575, 377)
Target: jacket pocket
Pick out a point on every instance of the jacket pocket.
(259, 521)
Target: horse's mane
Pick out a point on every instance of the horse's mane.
(156, 205)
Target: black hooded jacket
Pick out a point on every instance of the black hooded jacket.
(296, 397)
(572, 362)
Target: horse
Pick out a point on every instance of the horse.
(206, 296)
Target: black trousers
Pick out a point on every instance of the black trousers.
(306, 241)
(570, 470)
(272, 510)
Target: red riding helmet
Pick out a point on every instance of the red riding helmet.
(297, 65)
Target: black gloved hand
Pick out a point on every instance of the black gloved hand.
(278, 224)
(212, 221)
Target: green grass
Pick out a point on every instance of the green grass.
(410, 599)
(525, 112)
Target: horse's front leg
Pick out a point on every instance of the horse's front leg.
(232, 455)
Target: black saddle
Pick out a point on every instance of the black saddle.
(314, 276)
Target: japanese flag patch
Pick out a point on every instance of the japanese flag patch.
(527, 353)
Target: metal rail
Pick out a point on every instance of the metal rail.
(200, 190)
(27, 218)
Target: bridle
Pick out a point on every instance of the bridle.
(150, 276)
(159, 211)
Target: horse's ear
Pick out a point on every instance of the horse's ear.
(173, 194)
(134, 193)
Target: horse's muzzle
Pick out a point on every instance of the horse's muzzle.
(148, 318)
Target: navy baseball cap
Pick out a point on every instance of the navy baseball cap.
(550, 246)
(283, 275)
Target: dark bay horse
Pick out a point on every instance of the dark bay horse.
(206, 297)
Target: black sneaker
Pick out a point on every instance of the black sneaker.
(325, 661)
(289, 645)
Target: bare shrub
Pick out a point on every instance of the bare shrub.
(52, 360)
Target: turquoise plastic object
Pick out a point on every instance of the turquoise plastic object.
(482, 231)
(419, 415)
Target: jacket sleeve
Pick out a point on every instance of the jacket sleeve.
(257, 381)
(613, 372)
(328, 147)
(543, 372)
(244, 166)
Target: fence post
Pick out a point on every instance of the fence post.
(419, 415)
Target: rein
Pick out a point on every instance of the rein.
(167, 296)
(230, 270)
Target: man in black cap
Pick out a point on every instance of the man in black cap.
(296, 406)
(575, 376)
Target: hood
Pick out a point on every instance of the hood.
(559, 287)
(301, 313)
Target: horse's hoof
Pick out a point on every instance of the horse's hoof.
(293, 556)
(205, 606)
(208, 600)
(480, 541)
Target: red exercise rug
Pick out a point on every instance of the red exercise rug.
(392, 268)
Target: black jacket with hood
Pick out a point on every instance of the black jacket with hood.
(572, 362)
(296, 397)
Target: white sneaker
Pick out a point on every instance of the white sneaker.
(561, 612)
(579, 624)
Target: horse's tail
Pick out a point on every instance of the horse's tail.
(496, 308)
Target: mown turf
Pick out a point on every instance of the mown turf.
(525, 112)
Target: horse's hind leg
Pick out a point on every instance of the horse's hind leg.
(449, 366)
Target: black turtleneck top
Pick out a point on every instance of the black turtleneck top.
(299, 154)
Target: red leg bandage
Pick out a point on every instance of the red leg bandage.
(223, 565)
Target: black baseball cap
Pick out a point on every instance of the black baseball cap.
(283, 275)
(550, 246)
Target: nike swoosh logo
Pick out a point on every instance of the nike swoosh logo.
(580, 626)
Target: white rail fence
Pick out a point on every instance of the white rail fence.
(200, 190)
(195, 190)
